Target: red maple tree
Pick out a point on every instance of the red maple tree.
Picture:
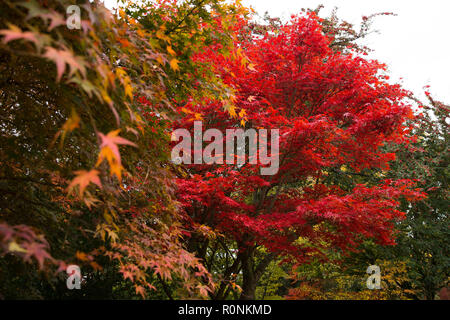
(334, 111)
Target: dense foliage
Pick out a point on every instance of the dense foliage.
(86, 176)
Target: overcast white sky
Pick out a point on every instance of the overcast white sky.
(415, 44)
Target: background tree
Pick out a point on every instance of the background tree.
(422, 240)
(425, 235)
(417, 266)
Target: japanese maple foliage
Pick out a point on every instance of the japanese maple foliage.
(334, 111)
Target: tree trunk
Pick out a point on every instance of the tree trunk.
(248, 276)
(248, 289)
(252, 274)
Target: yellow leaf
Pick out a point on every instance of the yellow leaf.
(174, 64)
(15, 247)
(141, 33)
(105, 153)
(231, 109)
(160, 34)
(100, 230)
(112, 235)
(90, 201)
(108, 217)
(109, 150)
(106, 97)
(251, 67)
(120, 72)
(129, 91)
(170, 51)
(122, 14)
(186, 110)
(116, 169)
(71, 124)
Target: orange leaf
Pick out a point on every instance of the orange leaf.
(170, 51)
(81, 256)
(110, 151)
(83, 179)
(112, 140)
(174, 64)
